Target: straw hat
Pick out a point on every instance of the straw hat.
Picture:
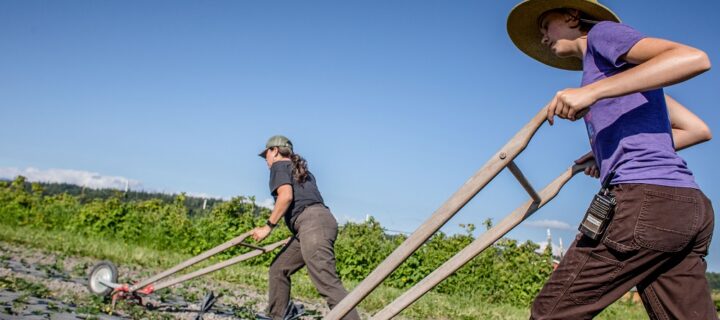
(523, 27)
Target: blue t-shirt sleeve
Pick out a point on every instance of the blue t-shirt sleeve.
(612, 40)
(279, 175)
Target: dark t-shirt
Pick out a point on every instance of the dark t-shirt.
(304, 195)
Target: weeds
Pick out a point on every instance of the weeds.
(21, 285)
(80, 269)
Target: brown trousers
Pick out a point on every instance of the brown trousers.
(657, 241)
(313, 245)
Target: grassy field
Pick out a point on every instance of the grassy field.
(431, 306)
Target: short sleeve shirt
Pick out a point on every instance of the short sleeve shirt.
(630, 134)
(304, 194)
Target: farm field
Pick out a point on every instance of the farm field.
(42, 274)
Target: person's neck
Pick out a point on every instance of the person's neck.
(581, 46)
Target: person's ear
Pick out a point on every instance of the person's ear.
(573, 15)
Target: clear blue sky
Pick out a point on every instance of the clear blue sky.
(394, 103)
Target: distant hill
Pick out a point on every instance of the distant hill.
(194, 204)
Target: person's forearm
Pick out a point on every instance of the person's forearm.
(687, 128)
(684, 139)
(681, 139)
(670, 67)
(281, 205)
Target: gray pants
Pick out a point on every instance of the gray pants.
(312, 246)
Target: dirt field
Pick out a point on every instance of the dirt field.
(44, 285)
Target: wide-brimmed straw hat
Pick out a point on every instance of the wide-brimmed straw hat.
(524, 29)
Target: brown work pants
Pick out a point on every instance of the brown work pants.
(657, 241)
(313, 245)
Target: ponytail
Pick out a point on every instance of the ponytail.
(300, 169)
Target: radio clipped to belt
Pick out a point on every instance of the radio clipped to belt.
(600, 212)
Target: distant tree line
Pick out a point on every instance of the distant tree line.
(194, 205)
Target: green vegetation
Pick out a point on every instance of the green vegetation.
(194, 205)
(21, 285)
(498, 284)
(714, 280)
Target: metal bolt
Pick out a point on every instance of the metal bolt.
(503, 155)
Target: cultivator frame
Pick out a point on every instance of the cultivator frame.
(499, 161)
(103, 277)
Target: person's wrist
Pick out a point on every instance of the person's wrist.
(595, 91)
(270, 224)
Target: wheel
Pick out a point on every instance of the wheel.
(104, 271)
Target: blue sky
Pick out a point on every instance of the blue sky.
(394, 103)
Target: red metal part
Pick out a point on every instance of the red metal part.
(147, 290)
(123, 292)
(119, 293)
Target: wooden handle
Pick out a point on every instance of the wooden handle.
(203, 256)
(458, 200)
(477, 246)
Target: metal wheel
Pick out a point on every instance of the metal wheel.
(102, 272)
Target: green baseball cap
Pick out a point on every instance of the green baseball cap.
(276, 141)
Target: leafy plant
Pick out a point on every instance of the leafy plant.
(508, 272)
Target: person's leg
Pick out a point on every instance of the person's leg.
(588, 279)
(286, 262)
(317, 230)
(680, 290)
(647, 231)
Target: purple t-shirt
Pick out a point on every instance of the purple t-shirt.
(630, 134)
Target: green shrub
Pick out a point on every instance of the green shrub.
(507, 272)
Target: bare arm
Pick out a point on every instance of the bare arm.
(284, 198)
(687, 128)
(660, 63)
(282, 203)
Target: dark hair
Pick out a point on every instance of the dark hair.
(585, 22)
(300, 169)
